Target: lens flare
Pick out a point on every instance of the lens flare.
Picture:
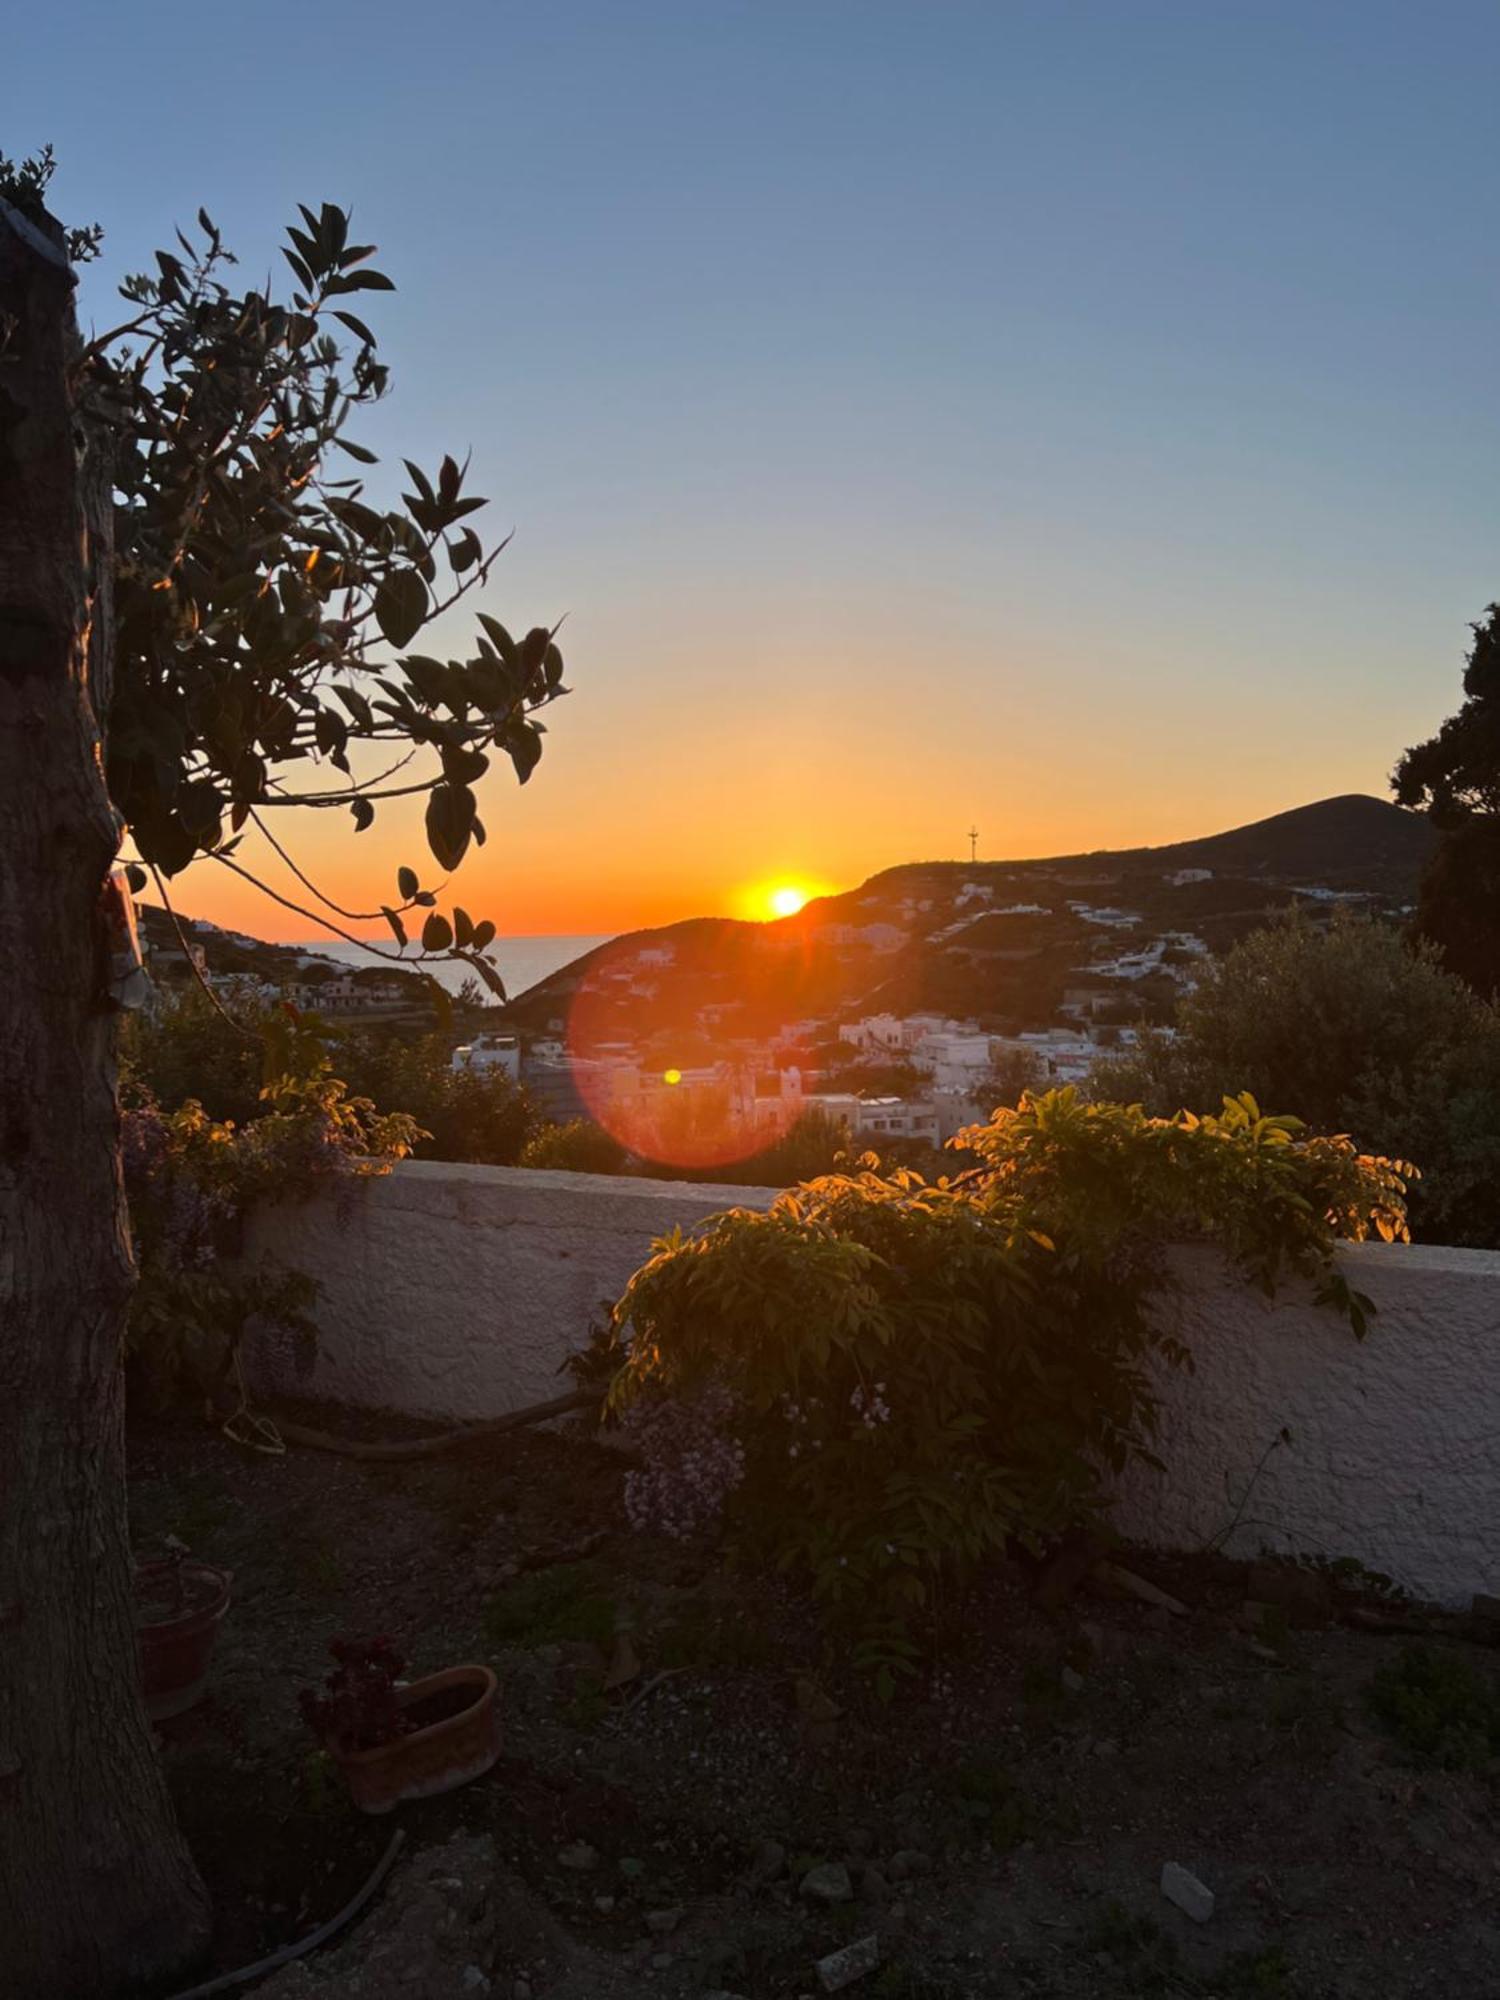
(653, 1061)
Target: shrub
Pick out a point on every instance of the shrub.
(184, 1050)
(476, 1115)
(578, 1147)
(190, 1180)
(924, 1374)
(1363, 1034)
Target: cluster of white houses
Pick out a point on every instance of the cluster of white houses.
(763, 1095)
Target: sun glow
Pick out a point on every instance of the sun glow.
(777, 896)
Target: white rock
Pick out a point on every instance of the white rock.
(842, 1968)
(828, 1883)
(1183, 1888)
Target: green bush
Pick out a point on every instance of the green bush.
(577, 1147)
(189, 1181)
(184, 1050)
(919, 1375)
(1363, 1033)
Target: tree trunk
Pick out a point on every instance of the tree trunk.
(97, 1892)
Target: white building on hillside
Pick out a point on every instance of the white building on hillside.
(489, 1054)
(881, 1034)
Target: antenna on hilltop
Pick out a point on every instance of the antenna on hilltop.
(973, 843)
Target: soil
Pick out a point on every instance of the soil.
(683, 1745)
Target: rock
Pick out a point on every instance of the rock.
(662, 1923)
(579, 1858)
(1141, 1588)
(767, 1862)
(841, 1968)
(1183, 1888)
(660, 1961)
(1485, 1611)
(521, 1990)
(874, 1887)
(475, 1979)
(859, 1840)
(827, 1883)
(908, 1861)
(604, 1904)
(1072, 1681)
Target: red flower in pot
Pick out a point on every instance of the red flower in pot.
(396, 1740)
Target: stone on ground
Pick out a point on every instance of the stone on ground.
(828, 1883)
(1180, 1886)
(841, 1968)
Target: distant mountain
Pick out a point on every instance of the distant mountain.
(1001, 941)
(1352, 842)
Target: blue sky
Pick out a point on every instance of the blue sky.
(1080, 419)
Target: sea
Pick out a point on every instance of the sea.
(520, 961)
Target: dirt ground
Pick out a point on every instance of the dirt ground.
(1002, 1823)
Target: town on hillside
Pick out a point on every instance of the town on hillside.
(900, 1013)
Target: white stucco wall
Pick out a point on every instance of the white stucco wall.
(1394, 1456)
(454, 1291)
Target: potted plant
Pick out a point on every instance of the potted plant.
(395, 1739)
(178, 1606)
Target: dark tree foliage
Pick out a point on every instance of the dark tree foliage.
(1455, 778)
(266, 609)
(186, 1048)
(1364, 1033)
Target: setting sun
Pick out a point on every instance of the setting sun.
(779, 896)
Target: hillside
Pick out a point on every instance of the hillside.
(1001, 941)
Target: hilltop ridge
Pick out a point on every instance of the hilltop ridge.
(1001, 940)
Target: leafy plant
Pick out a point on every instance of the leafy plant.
(922, 1375)
(190, 1180)
(1364, 1032)
(265, 611)
(357, 1707)
(1439, 1708)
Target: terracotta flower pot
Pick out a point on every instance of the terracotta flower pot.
(459, 1743)
(178, 1606)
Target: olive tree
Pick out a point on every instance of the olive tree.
(207, 629)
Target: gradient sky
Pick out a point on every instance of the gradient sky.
(1075, 419)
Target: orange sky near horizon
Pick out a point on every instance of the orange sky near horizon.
(598, 845)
